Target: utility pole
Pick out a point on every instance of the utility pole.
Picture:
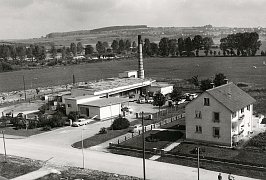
(143, 147)
(4, 144)
(74, 80)
(198, 161)
(82, 146)
(24, 88)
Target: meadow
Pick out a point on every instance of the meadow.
(237, 69)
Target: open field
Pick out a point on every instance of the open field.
(237, 69)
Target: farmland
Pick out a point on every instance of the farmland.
(237, 69)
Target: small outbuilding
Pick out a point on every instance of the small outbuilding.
(104, 108)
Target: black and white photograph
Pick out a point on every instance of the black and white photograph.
(132, 89)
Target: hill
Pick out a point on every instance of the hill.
(93, 31)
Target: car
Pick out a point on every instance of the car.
(141, 100)
(181, 101)
(149, 100)
(127, 109)
(135, 128)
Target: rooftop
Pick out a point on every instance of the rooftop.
(231, 96)
(112, 83)
(80, 97)
(102, 102)
(161, 84)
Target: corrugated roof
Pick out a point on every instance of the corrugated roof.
(102, 102)
(231, 96)
(113, 83)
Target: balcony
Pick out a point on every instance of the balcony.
(241, 117)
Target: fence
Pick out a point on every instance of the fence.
(149, 128)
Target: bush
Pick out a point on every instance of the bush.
(103, 130)
(120, 123)
(46, 128)
(72, 115)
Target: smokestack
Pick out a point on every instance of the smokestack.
(141, 70)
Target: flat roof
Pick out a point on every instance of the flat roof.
(161, 84)
(102, 102)
(115, 84)
(80, 97)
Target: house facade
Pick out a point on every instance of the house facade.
(221, 115)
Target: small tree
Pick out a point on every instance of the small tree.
(219, 79)
(205, 84)
(120, 123)
(159, 100)
(176, 94)
(72, 115)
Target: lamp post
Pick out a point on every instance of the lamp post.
(198, 151)
(143, 146)
(82, 146)
(4, 144)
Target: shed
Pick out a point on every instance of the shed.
(104, 108)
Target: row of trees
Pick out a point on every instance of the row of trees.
(174, 47)
(241, 44)
(20, 52)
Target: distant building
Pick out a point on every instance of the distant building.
(160, 87)
(221, 115)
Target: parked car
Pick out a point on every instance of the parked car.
(149, 100)
(127, 109)
(181, 101)
(141, 100)
(135, 128)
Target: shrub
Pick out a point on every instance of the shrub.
(46, 128)
(72, 115)
(120, 123)
(103, 130)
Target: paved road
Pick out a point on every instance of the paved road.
(104, 161)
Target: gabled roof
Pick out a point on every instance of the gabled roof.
(231, 96)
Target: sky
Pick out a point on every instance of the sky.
(20, 19)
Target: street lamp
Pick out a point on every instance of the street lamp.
(198, 151)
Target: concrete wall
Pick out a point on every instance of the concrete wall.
(110, 111)
(245, 123)
(101, 112)
(91, 109)
(163, 90)
(206, 121)
(71, 105)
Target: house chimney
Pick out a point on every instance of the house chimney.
(226, 81)
(141, 70)
(212, 84)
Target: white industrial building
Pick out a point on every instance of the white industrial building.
(104, 108)
(160, 87)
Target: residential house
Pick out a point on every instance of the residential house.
(221, 115)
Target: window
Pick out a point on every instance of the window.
(248, 107)
(216, 117)
(198, 114)
(233, 114)
(242, 110)
(198, 129)
(216, 132)
(206, 101)
(69, 105)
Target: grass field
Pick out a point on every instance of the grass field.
(237, 69)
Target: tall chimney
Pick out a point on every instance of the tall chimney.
(141, 70)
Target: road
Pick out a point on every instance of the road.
(57, 145)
